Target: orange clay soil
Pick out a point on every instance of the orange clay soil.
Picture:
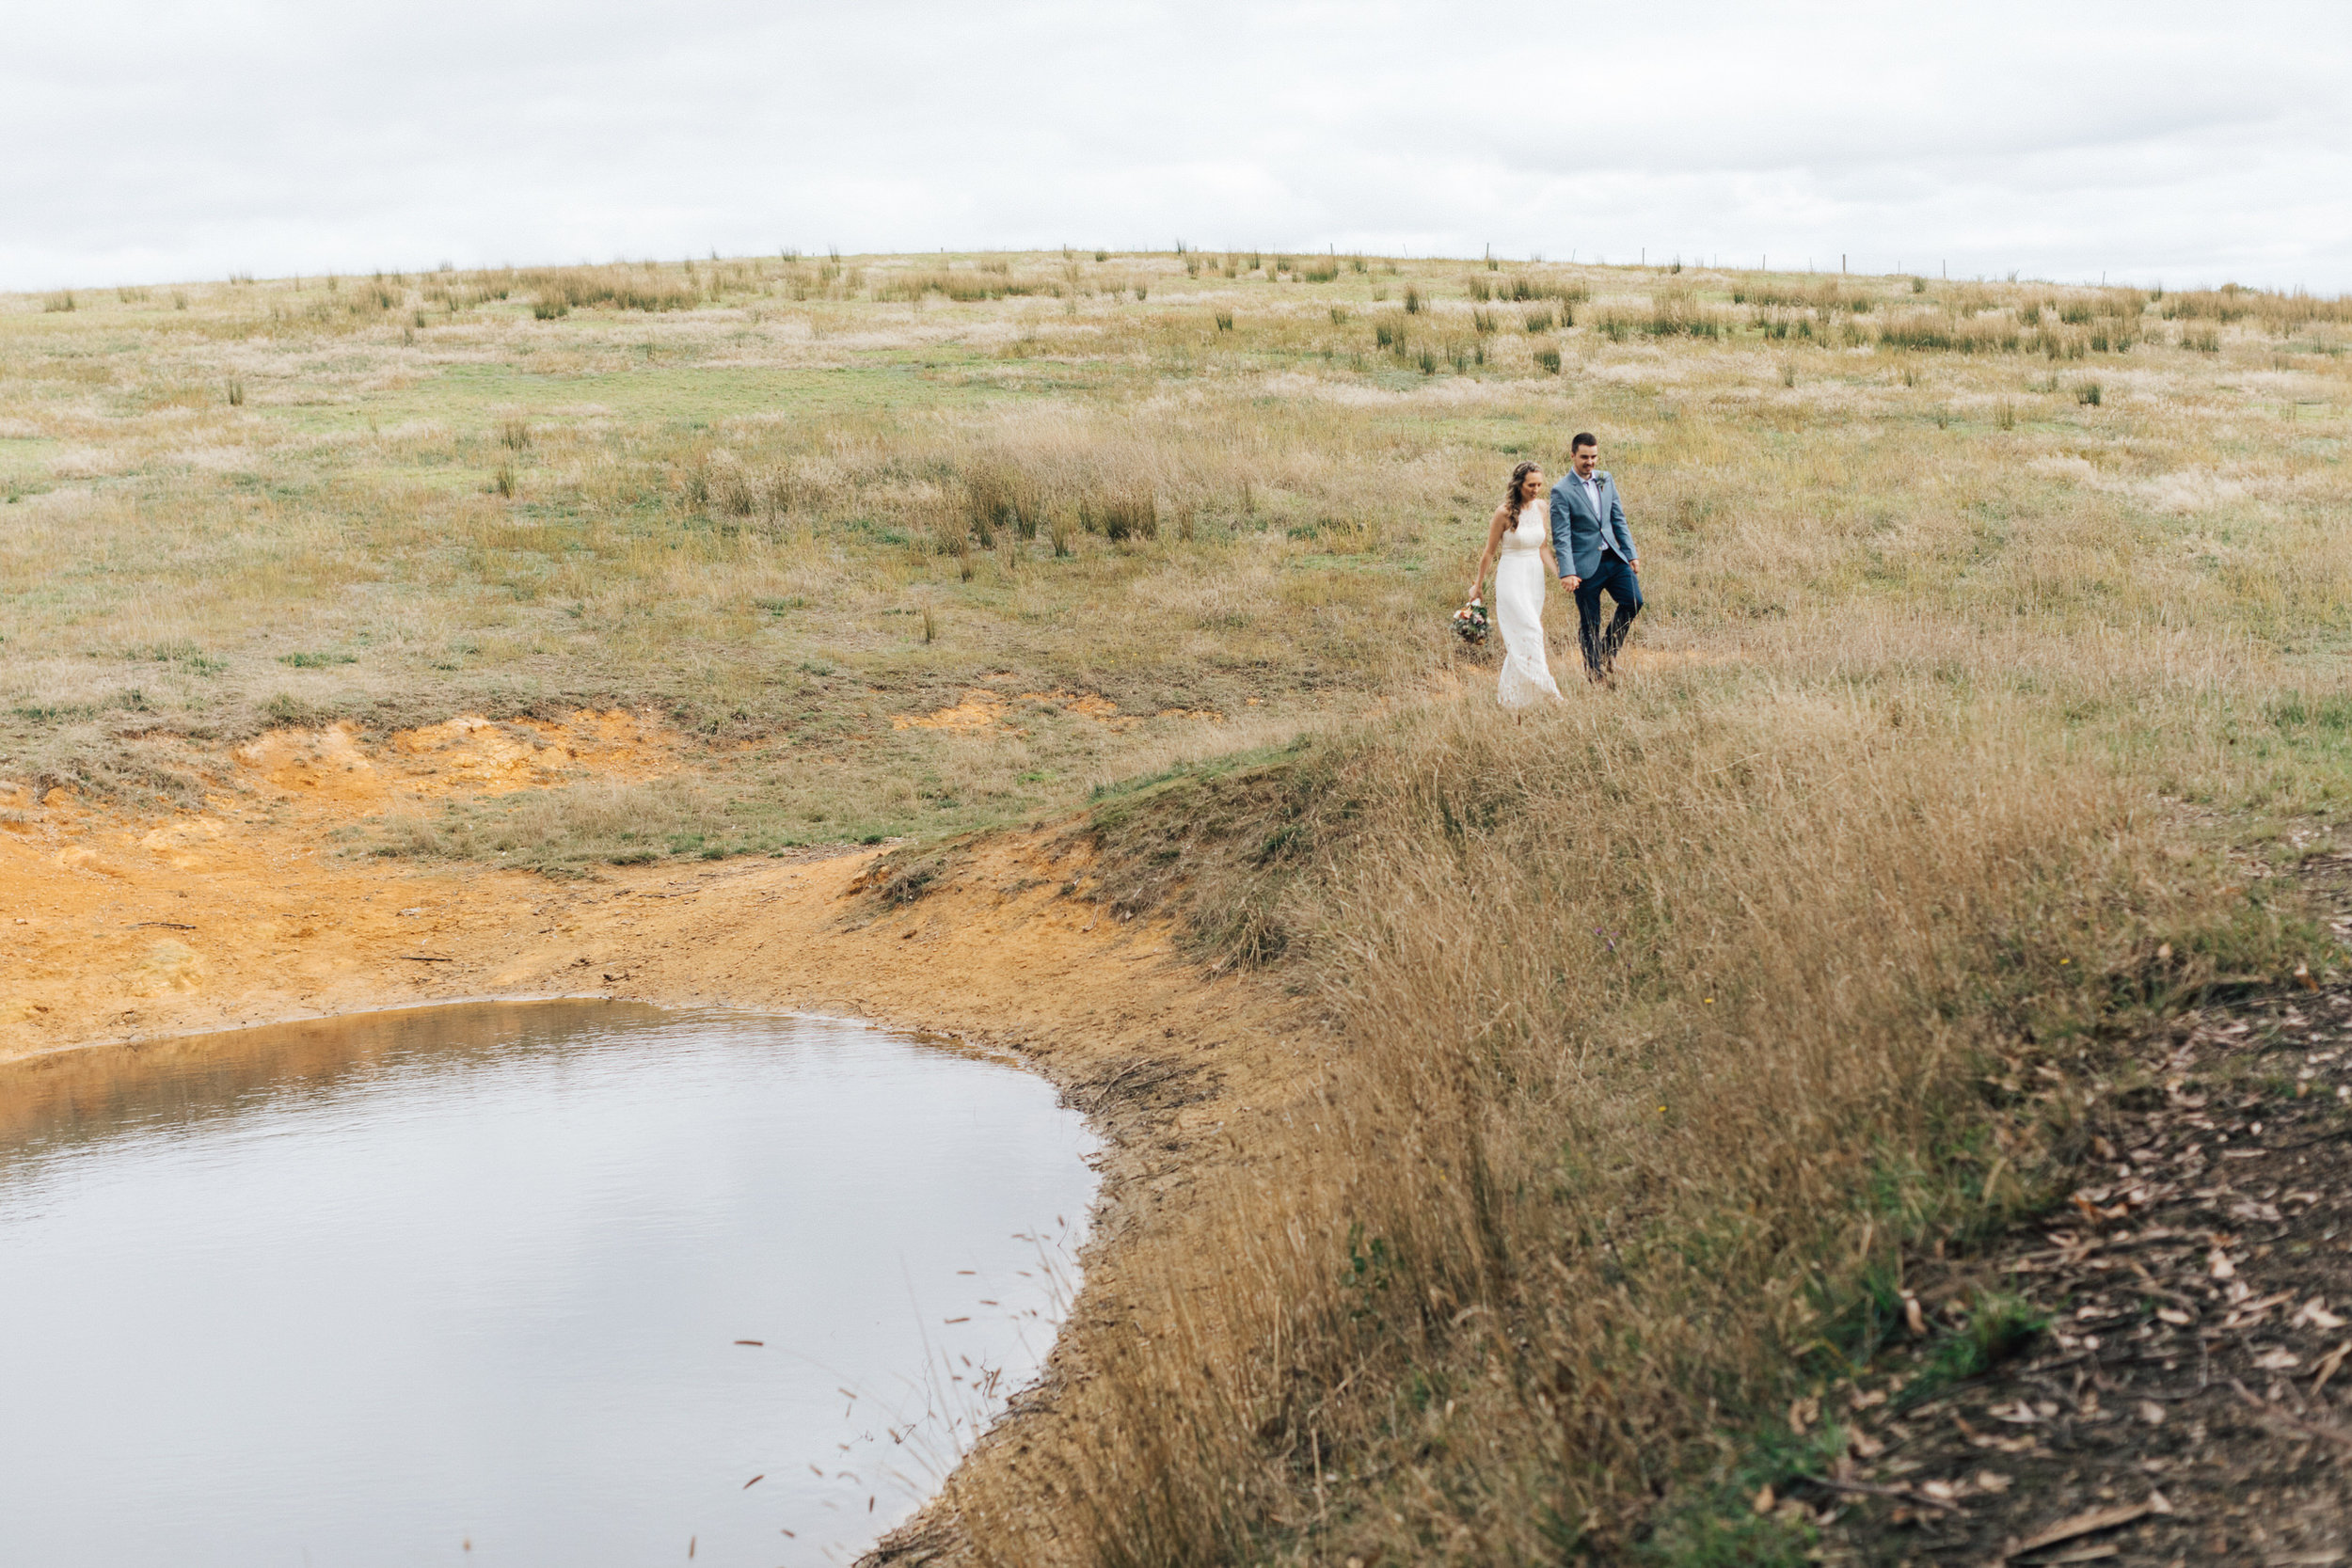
(115, 929)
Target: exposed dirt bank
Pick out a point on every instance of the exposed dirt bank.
(116, 928)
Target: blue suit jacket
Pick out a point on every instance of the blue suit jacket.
(1577, 534)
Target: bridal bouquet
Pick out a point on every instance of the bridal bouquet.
(1469, 623)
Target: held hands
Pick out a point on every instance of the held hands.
(1572, 583)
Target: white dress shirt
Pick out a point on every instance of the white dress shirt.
(1592, 492)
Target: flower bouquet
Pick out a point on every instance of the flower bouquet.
(1469, 623)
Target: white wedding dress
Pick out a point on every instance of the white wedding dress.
(1520, 610)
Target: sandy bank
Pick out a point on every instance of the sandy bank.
(115, 928)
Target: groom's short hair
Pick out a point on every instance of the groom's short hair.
(1582, 438)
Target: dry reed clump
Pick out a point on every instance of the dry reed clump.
(988, 281)
(2278, 313)
(559, 290)
(1655, 1035)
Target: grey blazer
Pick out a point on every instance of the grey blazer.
(1577, 534)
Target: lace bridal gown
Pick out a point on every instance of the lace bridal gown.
(1520, 610)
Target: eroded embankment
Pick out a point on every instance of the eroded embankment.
(121, 928)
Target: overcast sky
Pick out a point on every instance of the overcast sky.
(2155, 141)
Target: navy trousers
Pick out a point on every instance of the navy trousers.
(1600, 647)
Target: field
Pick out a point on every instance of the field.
(1991, 685)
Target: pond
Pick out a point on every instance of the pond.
(546, 1283)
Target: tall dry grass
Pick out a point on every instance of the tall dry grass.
(1657, 1030)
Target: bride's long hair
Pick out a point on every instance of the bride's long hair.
(1514, 502)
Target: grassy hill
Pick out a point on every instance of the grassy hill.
(1993, 669)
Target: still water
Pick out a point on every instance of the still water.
(465, 1286)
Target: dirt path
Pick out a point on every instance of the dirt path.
(2187, 1402)
(118, 928)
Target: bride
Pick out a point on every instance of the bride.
(1522, 532)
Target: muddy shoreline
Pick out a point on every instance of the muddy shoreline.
(148, 930)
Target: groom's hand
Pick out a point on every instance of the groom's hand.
(1636, 567)
(1573, 582)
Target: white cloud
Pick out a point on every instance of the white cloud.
(2151, 140)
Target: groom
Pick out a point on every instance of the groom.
(1595, 552)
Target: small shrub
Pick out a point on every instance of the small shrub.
(1549, 360)
(1225, 321)
(236, 393)
(514, 434)
(2088, 394)
(1483, 321)
(1121, 515)
(1537, 320)
(1998, 1328)
(59, 302)
(999, 494)
(1412, 300)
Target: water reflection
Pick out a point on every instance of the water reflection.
(467, 1283)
